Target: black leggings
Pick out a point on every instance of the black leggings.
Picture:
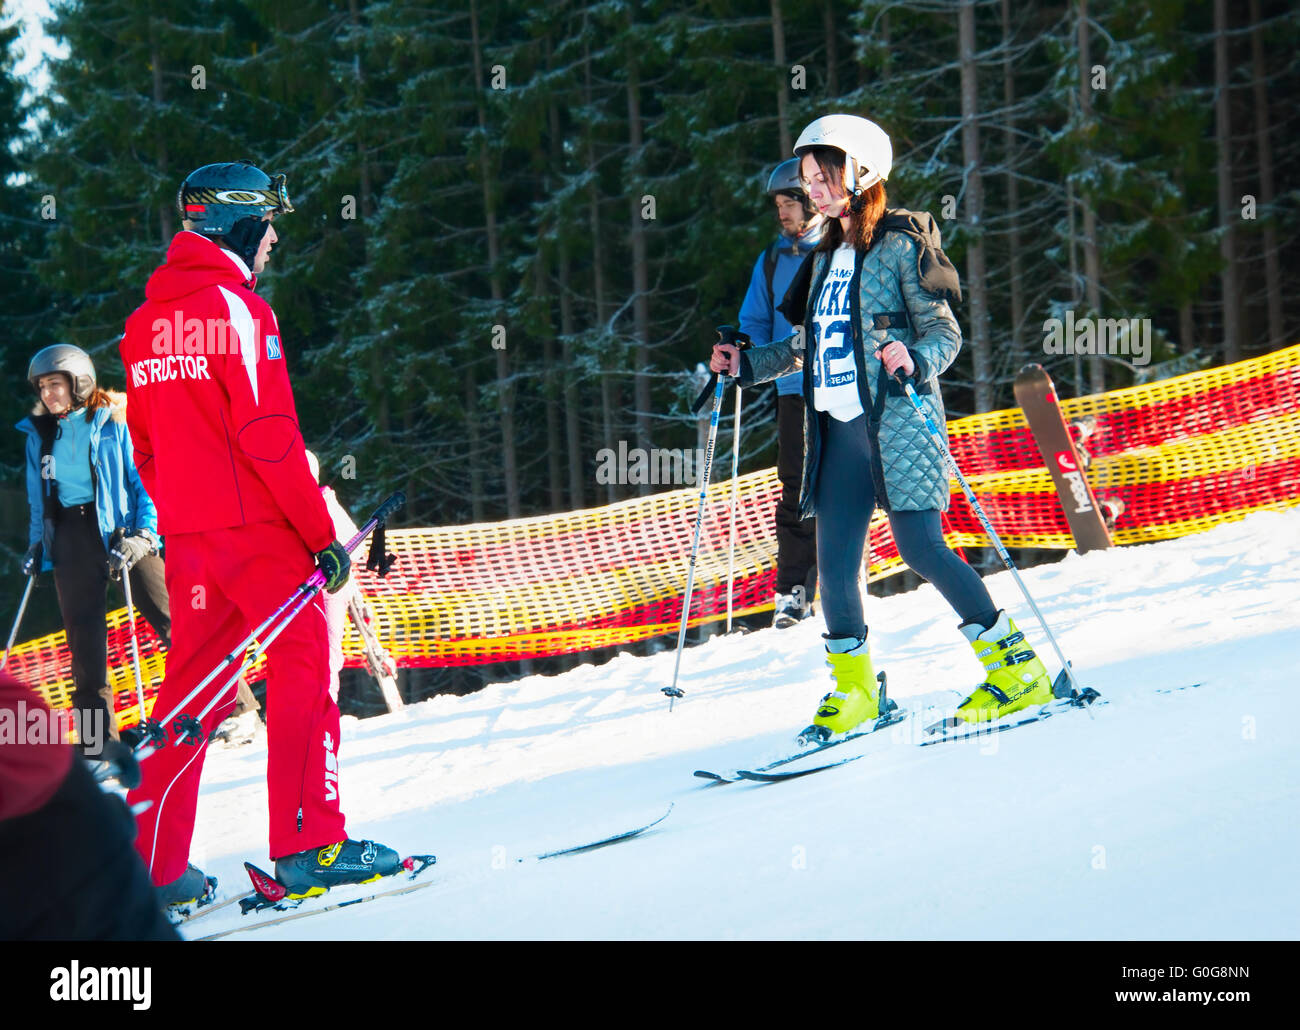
(81, 581)
(845, 501)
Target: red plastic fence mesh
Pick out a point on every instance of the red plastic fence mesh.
(1183, 455)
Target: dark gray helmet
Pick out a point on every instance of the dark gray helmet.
(217, 196)
(785, 178)
(74, 362)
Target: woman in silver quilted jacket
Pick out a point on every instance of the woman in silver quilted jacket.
(870, 302)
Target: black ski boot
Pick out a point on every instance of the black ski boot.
(352, 861)
(191, 890)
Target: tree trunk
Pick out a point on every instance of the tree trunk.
(1186, 328)
(975, 266)
(166, 223)
(505, 388)
(783, 69)
(550, 381)
(640, 269)
(1091, 254)
(1272, 273)
(477, 506)
(832, 52)
(1013, 186)
(1227, 210)
(608, 390)
(363, 157)
(1076, 294)
(572, 427)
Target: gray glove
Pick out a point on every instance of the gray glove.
(125, 550)
(32, 559)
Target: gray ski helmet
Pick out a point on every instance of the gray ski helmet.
(217, 196)
(785, 179)
(74, 362)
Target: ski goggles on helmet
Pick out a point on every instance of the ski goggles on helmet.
(274, 197)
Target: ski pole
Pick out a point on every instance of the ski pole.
(939, 441)
(135, 648)
(258, 650)
(735, 471)
(31, 580)
(726, 334)
(153, 730)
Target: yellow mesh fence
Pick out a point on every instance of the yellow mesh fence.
(1183, 455)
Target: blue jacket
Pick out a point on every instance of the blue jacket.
(758, 315)
(120, 497)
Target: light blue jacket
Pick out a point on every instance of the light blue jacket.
(120, 498)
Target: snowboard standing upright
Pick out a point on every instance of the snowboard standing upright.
(1036, 395)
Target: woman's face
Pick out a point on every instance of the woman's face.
(827, 197)
(55, 394)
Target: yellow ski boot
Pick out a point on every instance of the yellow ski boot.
(854, 700)
(1016, 676)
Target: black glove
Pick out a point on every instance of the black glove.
(124, 551)
(335, 562)
(32, 559)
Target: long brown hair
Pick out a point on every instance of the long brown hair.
(863, 221)
(99, 398)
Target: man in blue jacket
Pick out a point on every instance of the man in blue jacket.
(796, 540)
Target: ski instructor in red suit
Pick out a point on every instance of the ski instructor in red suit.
(217, 444)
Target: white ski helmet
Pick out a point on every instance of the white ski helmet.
(865, 142)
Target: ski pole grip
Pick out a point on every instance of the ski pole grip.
(395, 502)
(733, 336)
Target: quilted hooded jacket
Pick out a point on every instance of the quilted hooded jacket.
(900, 290)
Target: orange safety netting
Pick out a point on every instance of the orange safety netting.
(1183, 455)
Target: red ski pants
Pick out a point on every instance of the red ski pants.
(222, 583)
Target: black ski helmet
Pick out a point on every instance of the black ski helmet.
(72, 361)
(786, 179)
(228, 201)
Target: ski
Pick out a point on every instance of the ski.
(893, 714)
(205, 909)
(268, 892)
(318, 910)
(1036, 395)
(735, 777)
(256, 901)
(604, 842)
(792, 774)
(943, 730)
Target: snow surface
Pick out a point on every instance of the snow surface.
(1166, 813)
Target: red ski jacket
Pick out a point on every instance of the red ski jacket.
(210, 408)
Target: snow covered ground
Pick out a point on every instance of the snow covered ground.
(1166, 813)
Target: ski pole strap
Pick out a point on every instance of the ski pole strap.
(728, 334)
(394, 502)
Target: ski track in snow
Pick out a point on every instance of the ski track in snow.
(1161, 814)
